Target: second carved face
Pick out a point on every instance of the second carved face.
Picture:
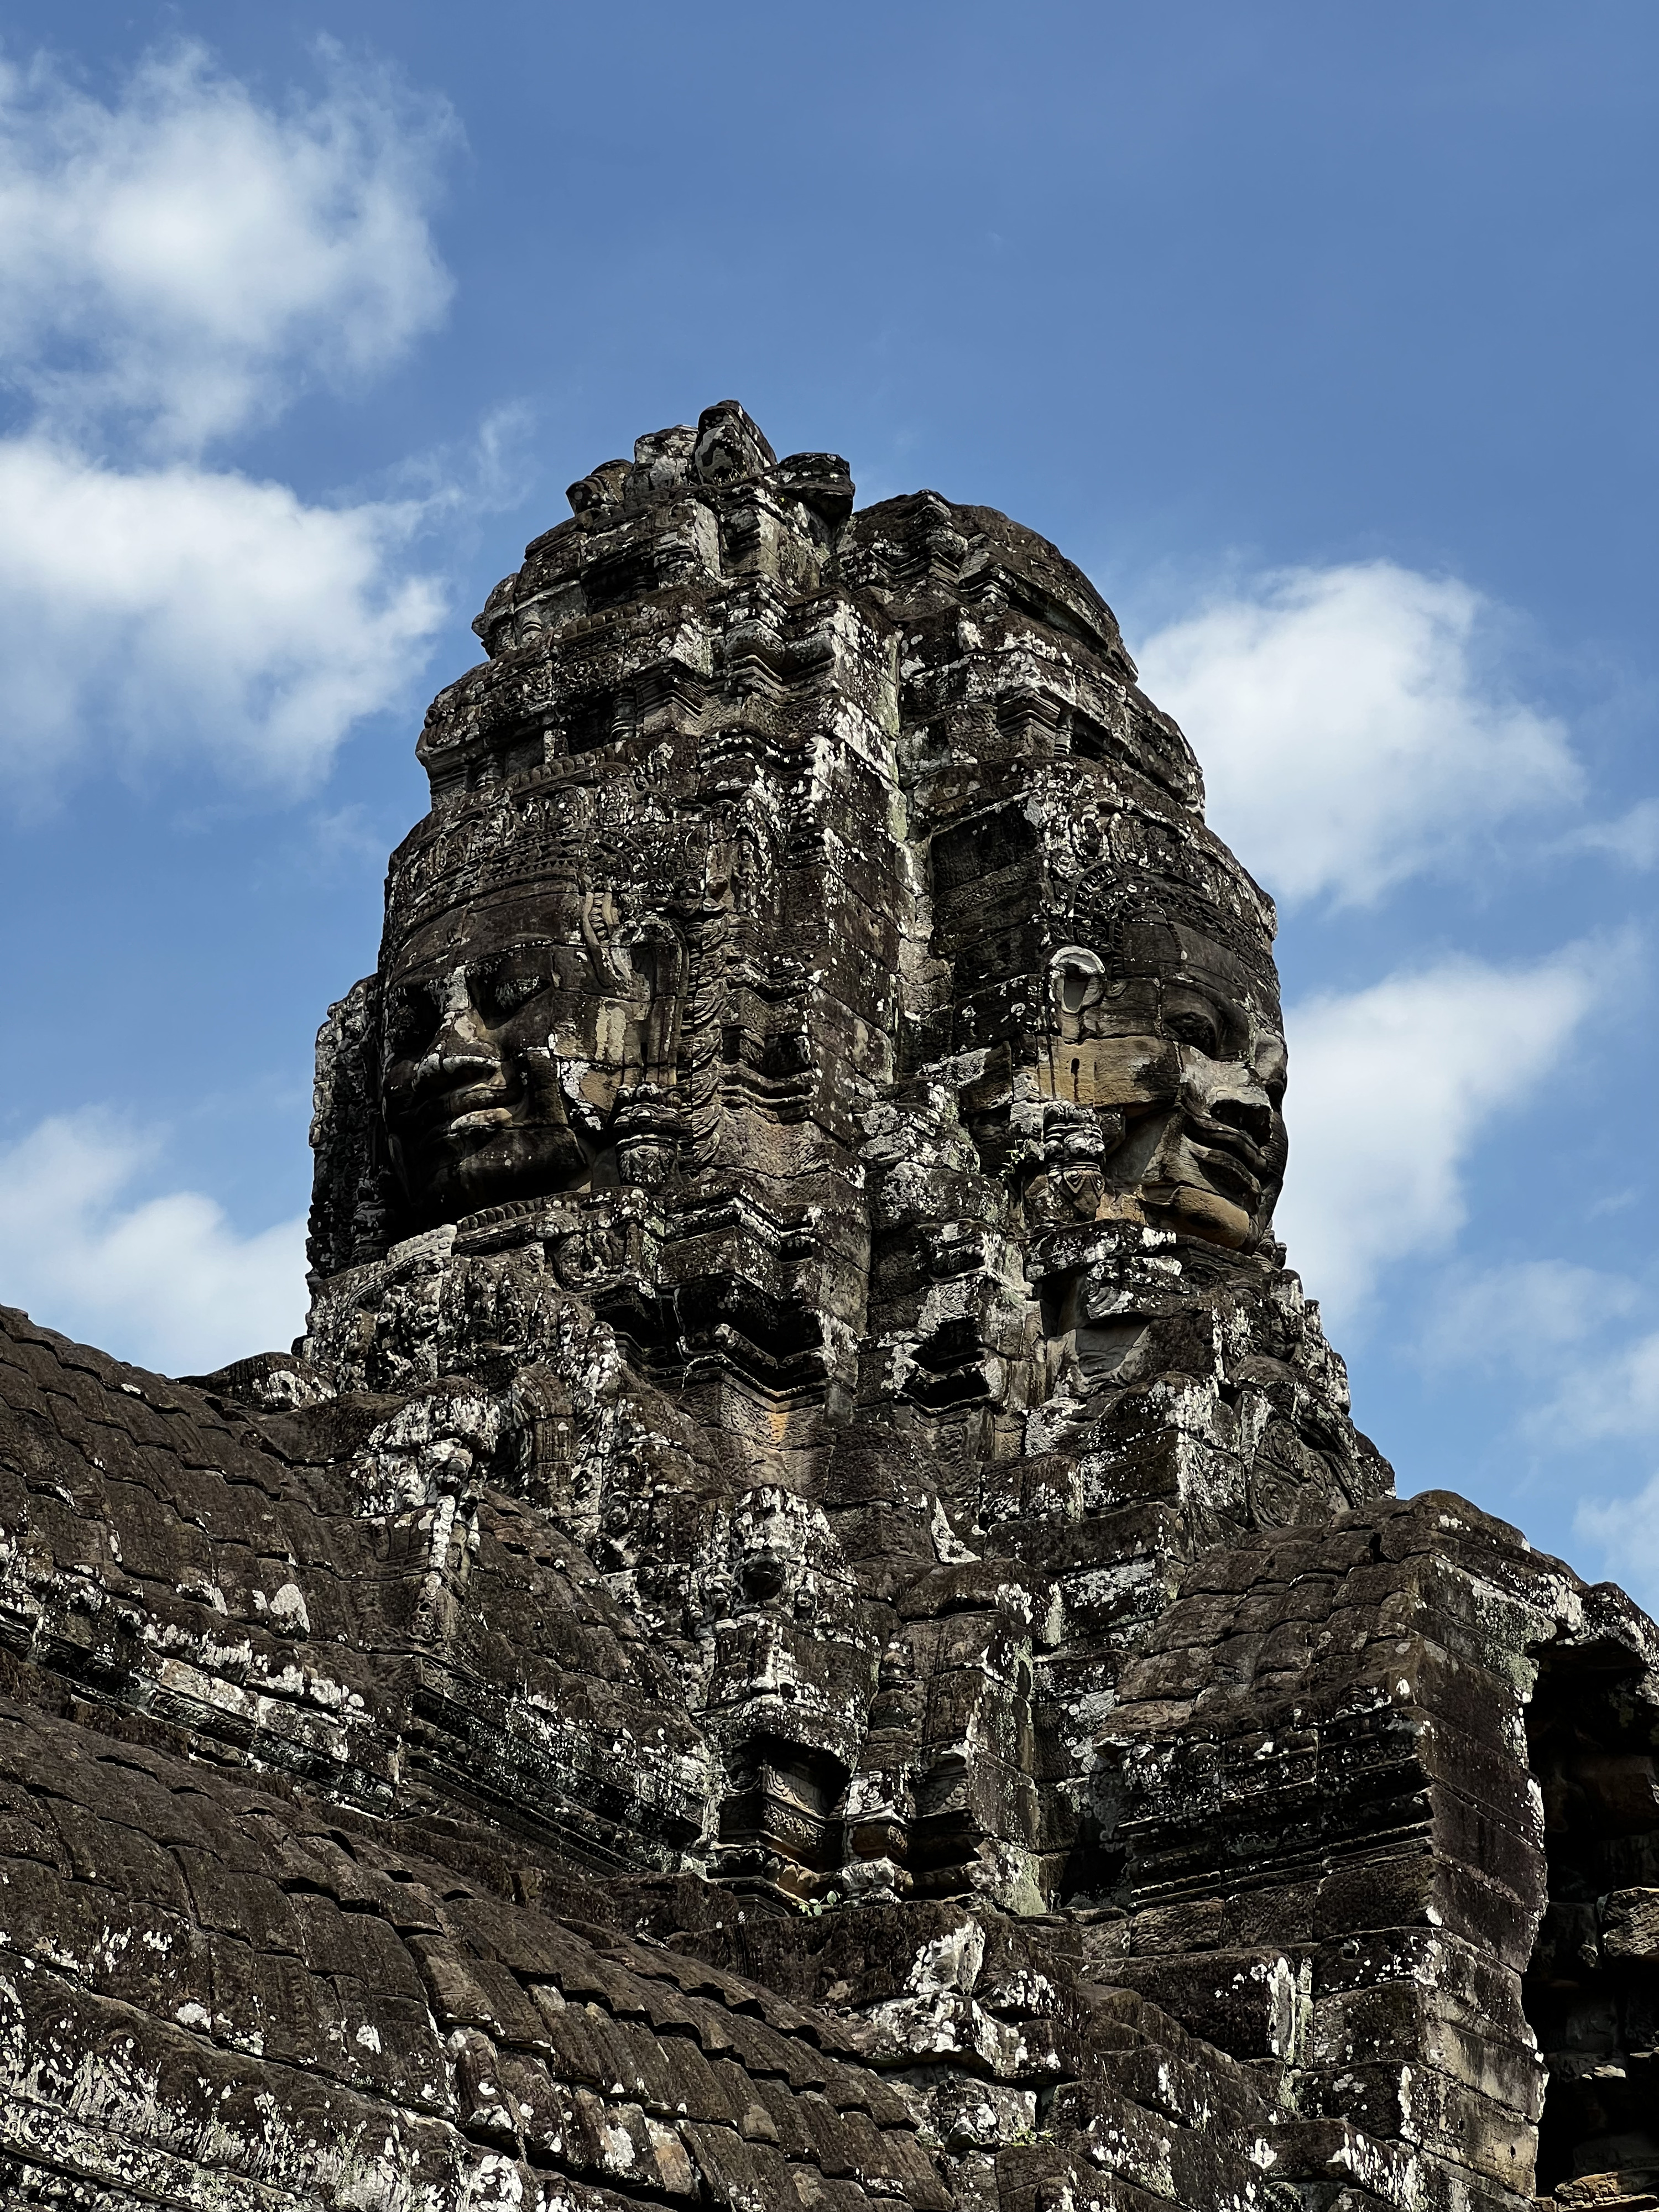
(1162, 1076)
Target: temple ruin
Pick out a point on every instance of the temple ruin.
(807, 1628)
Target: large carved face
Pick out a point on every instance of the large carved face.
(510, 1032)
(1163, 1080)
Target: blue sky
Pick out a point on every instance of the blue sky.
(1322, 336)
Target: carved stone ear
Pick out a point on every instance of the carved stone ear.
(1076, 977)
(349, 1196)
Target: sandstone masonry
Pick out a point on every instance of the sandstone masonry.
(807, 1626)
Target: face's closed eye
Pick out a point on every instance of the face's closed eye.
(1193, 1019)
(1195, 1029)
(411, 1021)
(501, 993)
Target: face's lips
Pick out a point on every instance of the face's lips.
(1233, 1162)
(462, 1110)
(480, 1122)
(1227, 1175)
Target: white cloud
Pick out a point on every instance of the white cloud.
(1576, 1338)
(180, 612)
(1626, 1530)
(1349, 735)
(1522, 1315)
(1617, 1395)
(188, 258)
(1390, 1088)
(174, 266)
(166, 1282)
(1633, 838)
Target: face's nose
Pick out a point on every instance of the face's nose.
(1247, 1112)
(1233, 1094)
(462, 1051)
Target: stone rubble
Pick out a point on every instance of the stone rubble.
(808, 1626)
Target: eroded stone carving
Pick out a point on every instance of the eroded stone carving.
(517, 1034)
(808, 1623)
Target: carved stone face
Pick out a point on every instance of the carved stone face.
(1163, 1085)
(510, 1032)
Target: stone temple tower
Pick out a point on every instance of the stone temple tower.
(815, 984)
(808, 1624)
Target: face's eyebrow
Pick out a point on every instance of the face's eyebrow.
(499, 952)
(1215, 995)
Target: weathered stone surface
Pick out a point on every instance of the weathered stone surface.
(807, 1625)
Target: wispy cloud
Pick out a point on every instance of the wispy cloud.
(1576, 1354)
(166, 1281)
(1523, 1317)
(1579, 1343)
(1351, 731)
(187, 259)
(176, 266)
(1391, 1088)
(1632, 838)
(1626, 1533)
(1615, 1396)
